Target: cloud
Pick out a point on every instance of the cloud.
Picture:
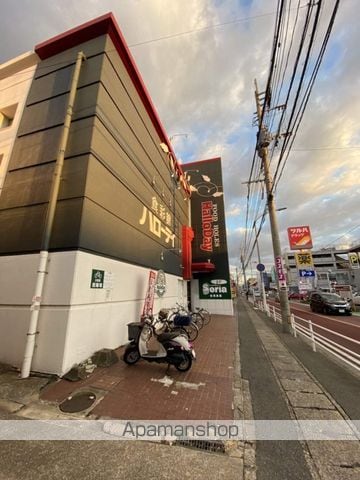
(201, 83)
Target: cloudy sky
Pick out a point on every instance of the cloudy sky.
(198, 59)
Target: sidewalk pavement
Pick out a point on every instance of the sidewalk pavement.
(274, 377)
(154, 391)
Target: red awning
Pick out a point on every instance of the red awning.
(202, 267)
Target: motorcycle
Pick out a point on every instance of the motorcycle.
(172, 347)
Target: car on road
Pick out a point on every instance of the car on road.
(356, 300)
(297, 296)
(329, 303)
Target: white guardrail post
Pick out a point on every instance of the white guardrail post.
(313, 343)
(293, 324)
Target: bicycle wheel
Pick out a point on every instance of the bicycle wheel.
(206, 315)
(192, 331)
(198, 319)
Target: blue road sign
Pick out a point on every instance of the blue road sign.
(307, 273)
(260, 267)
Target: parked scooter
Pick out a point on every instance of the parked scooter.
(172, 347)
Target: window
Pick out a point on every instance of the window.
(7, 115)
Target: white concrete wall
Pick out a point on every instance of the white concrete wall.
(15, 80)
(75, 320)
(216, 307)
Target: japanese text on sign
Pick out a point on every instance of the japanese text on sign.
(299, 237)
(158, 220)
(280, 272)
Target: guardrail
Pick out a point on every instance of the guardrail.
(308, 330)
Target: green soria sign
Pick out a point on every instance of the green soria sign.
(215, 289)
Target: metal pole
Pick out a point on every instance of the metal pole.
(50, 215)
(244, 272)
(263, 142)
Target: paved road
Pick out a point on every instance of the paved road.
(344, 325)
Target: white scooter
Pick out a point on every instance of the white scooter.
(171, 347)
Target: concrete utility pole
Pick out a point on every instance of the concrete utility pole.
(262, 286)
(244, 272)
(262, 148)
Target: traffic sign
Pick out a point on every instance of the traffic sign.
(260, 267)
(307, 273)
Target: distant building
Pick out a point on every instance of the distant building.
(331, 266)
(15, 79)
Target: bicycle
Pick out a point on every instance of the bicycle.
(205, 314)
(196, 317)
(172, 319)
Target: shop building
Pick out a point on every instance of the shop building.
(123, 208)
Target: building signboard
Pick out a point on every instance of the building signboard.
(299, 237)
(208, 222)
(216, 289)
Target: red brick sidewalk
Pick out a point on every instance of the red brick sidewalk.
(135, 392)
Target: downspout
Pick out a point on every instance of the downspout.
(50, 215)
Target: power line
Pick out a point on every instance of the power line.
(201, 29)
(342, 236)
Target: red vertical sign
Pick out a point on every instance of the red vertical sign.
(149, 299)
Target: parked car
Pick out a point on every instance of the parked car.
(329, 303)
(297, 296)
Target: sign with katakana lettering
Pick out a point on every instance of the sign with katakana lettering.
(299, 237)
(280, 272)
(158, 221)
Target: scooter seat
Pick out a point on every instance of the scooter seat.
(167, 336)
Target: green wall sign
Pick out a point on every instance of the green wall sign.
(97, 279)
(215, 289)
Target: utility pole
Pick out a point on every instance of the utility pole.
(263, 142)
(244, 272)
(262, 286)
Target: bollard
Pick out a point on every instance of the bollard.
(293, 325)
(313, 343)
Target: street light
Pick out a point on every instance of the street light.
(258, 254)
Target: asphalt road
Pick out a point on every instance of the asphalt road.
(348, 326)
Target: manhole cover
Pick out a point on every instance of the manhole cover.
(78, 402)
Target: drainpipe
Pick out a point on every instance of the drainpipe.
(50, 215)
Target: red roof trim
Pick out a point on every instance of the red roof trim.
(185, 165)
(202, 267)
(106, 24)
